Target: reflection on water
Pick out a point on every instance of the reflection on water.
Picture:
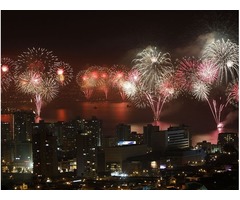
(113, 113)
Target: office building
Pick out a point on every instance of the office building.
(147, 133)
(123, 132)
(89, 154)
(115, 157)
(44, 145)
(228, 139)
(22, 125)
(172, 138)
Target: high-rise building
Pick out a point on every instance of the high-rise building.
(86, 155)
(5, 131)
(16, 138)
(89, 142)
(147, 133)
(123, 132)
(8, 118)
(22, 126)
(7, 145)
(68, 140)
(228, 139)
(44, 145)
(94, 126)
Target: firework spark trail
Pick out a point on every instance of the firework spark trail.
(38, 103)
(216, 111)
(88, 93)
(201, 91)
(104, 80)
(225, 55)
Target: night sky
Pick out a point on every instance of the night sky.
(113, 37)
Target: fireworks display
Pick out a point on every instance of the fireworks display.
(225, 56)
(42, 75)
(151, 82)
(37, 59)
(62, 72)
(9, 71)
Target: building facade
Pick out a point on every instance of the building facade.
(44, 146)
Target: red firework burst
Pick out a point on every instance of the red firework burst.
(186, 73)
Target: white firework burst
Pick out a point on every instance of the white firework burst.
(151, 66)
(200, 90)
(225, 55)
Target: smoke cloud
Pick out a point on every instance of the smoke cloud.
(195, 48)
(230, 118)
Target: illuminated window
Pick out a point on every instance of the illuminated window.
(154, 164)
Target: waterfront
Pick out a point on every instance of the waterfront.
(113, 113)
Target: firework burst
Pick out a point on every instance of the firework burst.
(200, 90)
(133, 76)
(62, 72)
(119, 75)
(87, 81)
(225, 56)
(37, 59)
(30, 82)
(49, 89)
(186, 73)
(9, 71)
(138, 96)
(43, 89)
(168, 88)
(233, 93)
(129, 88)
(207, 71)
(151, 65)
(152, 76)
